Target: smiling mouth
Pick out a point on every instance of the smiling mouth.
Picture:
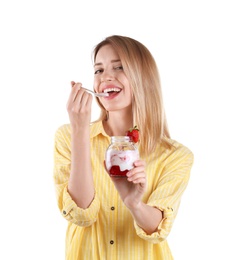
(112, 91)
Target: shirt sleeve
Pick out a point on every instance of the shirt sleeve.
(68, 208)
(167, 195)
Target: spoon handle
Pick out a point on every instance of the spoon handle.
(97, 94)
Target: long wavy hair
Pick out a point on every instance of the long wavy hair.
(147, 104)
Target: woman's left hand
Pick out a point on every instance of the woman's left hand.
(132, 188)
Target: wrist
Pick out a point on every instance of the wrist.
(134, 206)
(80, 130)
(80, 135)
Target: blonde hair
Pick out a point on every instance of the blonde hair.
(147, 105)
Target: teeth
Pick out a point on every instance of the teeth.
(112, 90)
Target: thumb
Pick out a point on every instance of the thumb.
(105, 166)
(72, 83)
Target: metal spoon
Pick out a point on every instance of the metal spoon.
(97, 94)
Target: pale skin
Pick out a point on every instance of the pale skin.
(108, 73)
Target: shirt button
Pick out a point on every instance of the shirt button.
(64, 212)
(111, 242)
(112, 208)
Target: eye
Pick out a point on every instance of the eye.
(119, 68)
(98, 71)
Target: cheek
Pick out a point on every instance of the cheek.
(129, 91)
(96, 83)
(129, 97)
(95, 86)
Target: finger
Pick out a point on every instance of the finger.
(83, 100)
(140, 181)
(139, 163)
(136, 170)
(72, 83)
(86, 99)
(137, 176)
(75, 89)
(89, 101)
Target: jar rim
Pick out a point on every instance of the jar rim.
(121, 138)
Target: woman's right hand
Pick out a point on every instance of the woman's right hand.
(79, 106)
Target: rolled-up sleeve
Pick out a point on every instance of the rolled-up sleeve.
(79, 216)
(162, 230)
(68, 208)
(170, 187)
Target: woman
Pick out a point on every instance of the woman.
(119, 218)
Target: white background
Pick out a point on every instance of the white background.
(43, 46)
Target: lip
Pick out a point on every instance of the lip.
(113, 95)
(110, 86)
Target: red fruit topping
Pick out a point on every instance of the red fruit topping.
(133, 133)
(115, 171)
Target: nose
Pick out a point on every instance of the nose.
(107, 76)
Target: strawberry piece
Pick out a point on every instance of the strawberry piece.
(133, 133)
(115, 171)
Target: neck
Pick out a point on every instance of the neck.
(118, 123)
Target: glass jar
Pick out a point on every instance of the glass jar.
(120, 156)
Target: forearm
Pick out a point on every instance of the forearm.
(146, 217)
(81, 186)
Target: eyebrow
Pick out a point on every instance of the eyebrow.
(100, 63)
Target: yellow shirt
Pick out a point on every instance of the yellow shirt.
(106, 230)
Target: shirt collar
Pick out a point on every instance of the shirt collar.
(97, 129)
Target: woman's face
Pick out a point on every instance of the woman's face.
(109, 77)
